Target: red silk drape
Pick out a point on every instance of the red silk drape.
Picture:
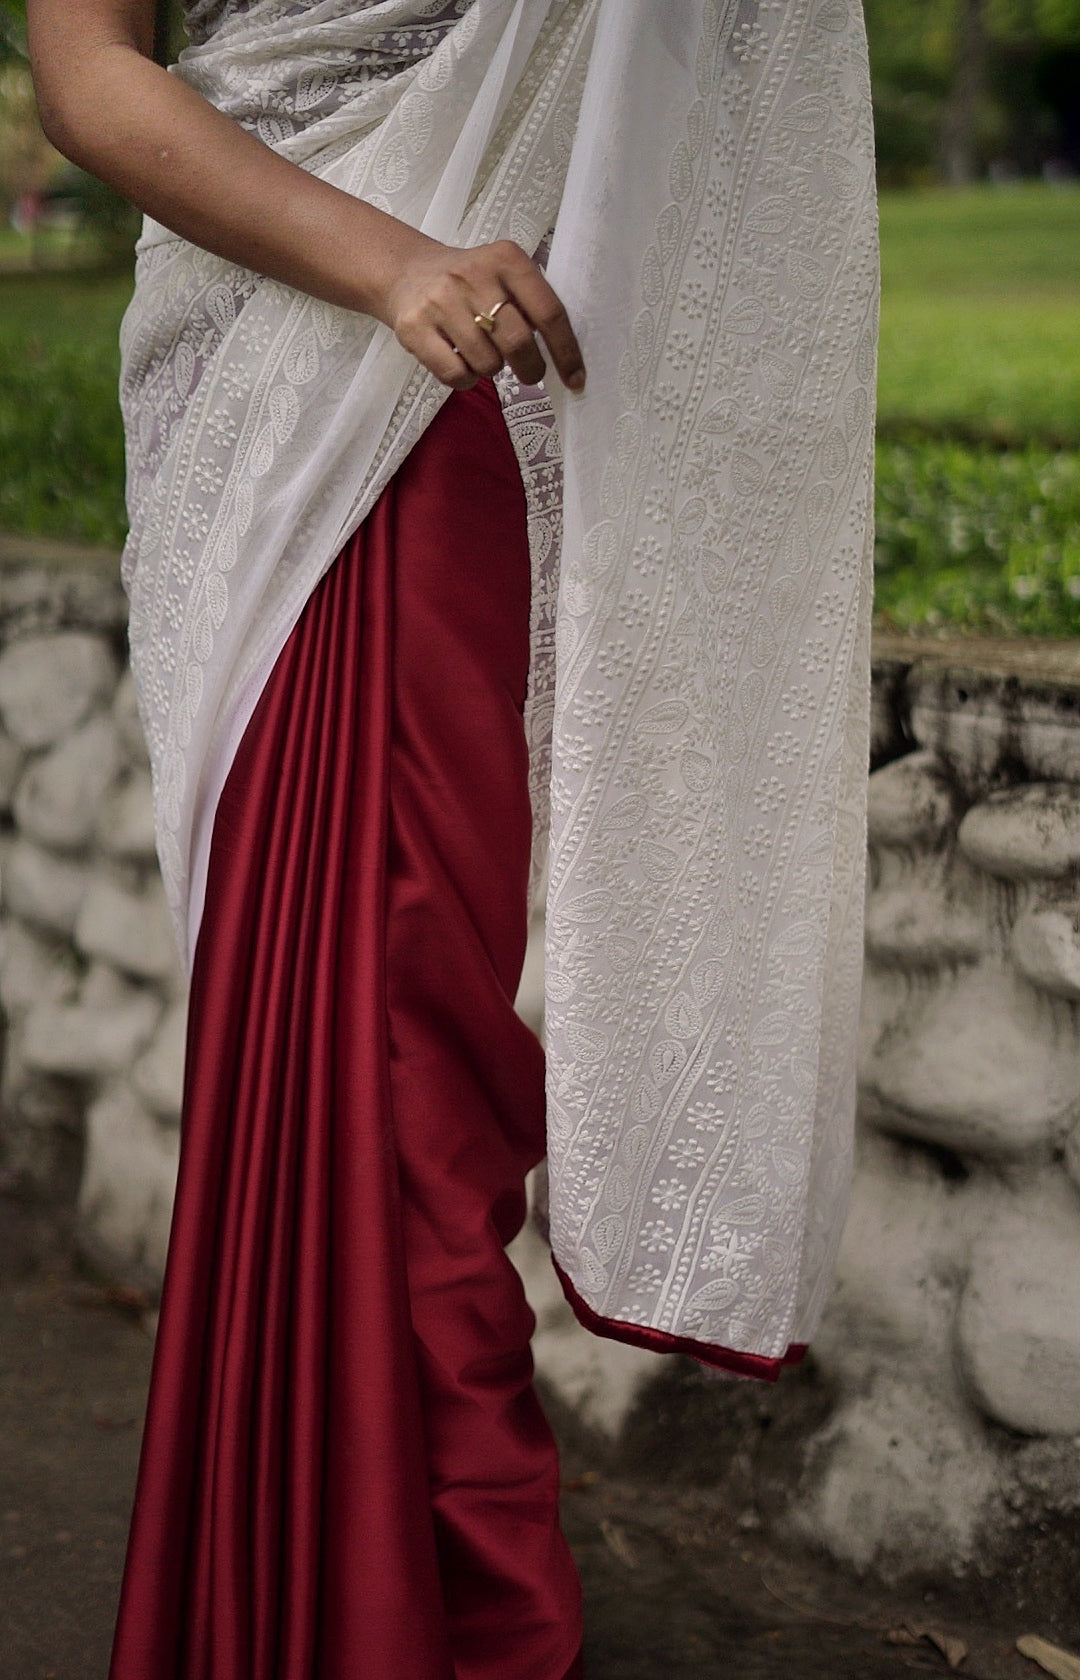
(345, 1472)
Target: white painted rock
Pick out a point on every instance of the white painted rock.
(977, 1062)
(968, 733)
(36, 1103)
(104, 987)
(886, 994)
(907, 1481)
(56, 801)
(1045, 946)
(125, 821)
(11, 763)
(1072, 1155)
(158, 1075)
(1049, 741)
(530, 996)
(1026, 831)
(34, 970)
(48, 684)
(914, 926)
(882, 719)
(597, 1378)
(85, 1042)
(42, 888)
(1018, 1332)
(126, 716)
(975, 720)
(895, 1287)
(129, 1179)
(131, 930)
(909, 802)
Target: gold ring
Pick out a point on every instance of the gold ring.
(486, 318)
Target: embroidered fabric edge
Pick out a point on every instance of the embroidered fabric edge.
(729, 1360)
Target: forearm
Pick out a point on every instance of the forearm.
(111, 109)
(114, 112)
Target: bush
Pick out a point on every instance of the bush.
(978, 539)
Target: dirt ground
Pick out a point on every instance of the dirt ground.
(675, 1588)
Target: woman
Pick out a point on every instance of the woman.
(381, 609)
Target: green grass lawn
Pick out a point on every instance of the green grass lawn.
(980, 313)
(979, 409)
(978, 471)
(986, 369)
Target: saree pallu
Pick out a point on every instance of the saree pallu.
(700, 529)
(345, 1470)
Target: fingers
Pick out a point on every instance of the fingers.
(539, 306)
(439, 322)
(478, 347)
(444, 360)
(458, 352)
(451, 345)
(434, 346)
(514, 339)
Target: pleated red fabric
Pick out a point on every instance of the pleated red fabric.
(345, 1472)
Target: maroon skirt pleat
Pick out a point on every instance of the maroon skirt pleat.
(345, 1472)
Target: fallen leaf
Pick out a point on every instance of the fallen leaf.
(952, 1649)
(912, 1633)
(1061, 1664)
(111, 1296)
(619, 1543)
(134, 1301)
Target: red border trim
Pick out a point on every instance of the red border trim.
(661, 1341)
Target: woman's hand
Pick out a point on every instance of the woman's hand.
(108, 107)
(433, 304)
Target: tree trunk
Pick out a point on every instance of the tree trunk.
(969, 81)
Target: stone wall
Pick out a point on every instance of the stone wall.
(937, 1423)
(90, 989)
(952, 1343)
(935, 1431)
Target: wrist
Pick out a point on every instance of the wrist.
(377, 249)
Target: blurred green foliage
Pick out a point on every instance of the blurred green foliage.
(1019, 98)
(168, 28)
(978, 540)
(61, 441)
(1055, 21)
(12, 30)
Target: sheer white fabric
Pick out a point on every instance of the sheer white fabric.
(700, 669)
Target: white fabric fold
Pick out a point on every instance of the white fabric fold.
(715, 242)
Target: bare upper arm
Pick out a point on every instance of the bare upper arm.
(64, 40)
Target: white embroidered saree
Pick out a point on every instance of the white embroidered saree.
(700, 678)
